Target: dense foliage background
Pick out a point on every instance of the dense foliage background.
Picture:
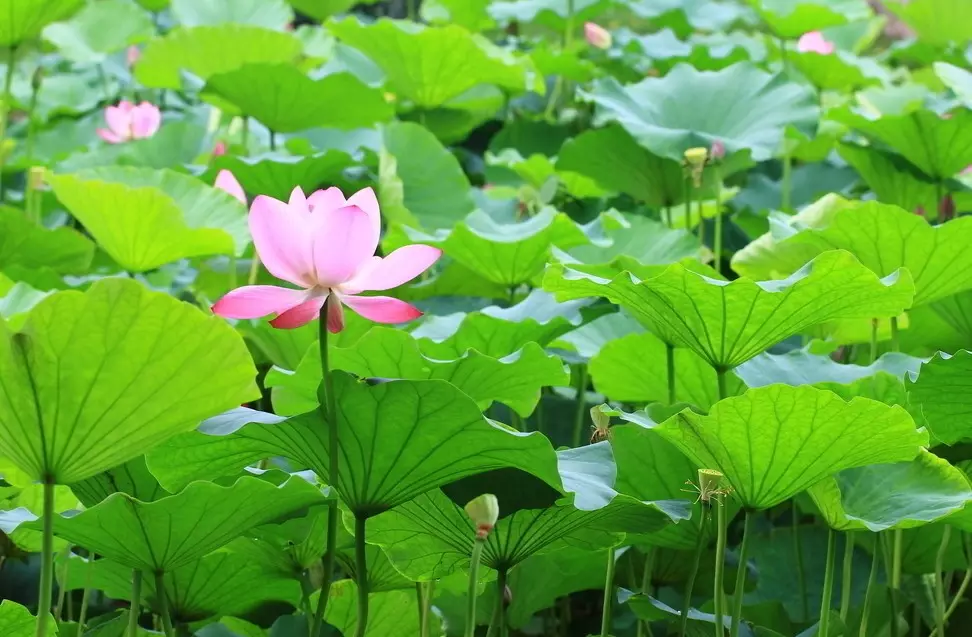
(702, 323)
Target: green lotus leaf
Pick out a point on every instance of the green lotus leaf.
(939, 147)
(389, 353)
(270, 14)
(432, 65)
(729, 323)
(884, 238)
(456, 280)
(17, 300)
(937, 22)
(640, 238)
(24, 505)
(790, 19)
(686, 16)
(943, 325)
(921, 546)
(471, 14)
(420, 182)
(146, 218)
(552, 14)
(941, 395)
(499, 331)
(382, 574)
(28, 245)
(321, 9)
(540, 172)
(957, 79)
(277, 174)
(16, 621)
(84, 40)
(94, 379)
(291, 546)
(774, 442)
(389, 612)
(287, 100)
(589, 339)
(179, 529)
(132, 478)
(208, 50)
(25, 19)
(899, 495)
(893, 179)
(457, 441)
(709, 52)
(765, 105)
(176, 143)
(839, 71)
(541, 579)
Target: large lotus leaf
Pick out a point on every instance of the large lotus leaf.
(28, 245)
(132, 478)
(176, 143)
(499, 331)
(391, 462)
(388, 353)
(729, 323)
(270, 14)
(899, 495)
(286, 100)
(589, 339)
(96, 378)
(937, 22)
(456, 280)
(174, 531)
(16, 620)
(882, 237)
(633, 369)
(277, 174)
(291, 546)
(540, 580)
(389, 612)
(838, 71)
(145, 218)
(322, 9)
(942, 394)
(940, 147)
(640, 238)
(944, 325)
(550, 13)
(471, 14)
(421, 183)
(382, 574)
(792, 18)
(23, 505)
(893, 179)
(432, 65)
(763, 106)
(83, 39)
(25, 19)
(208, 50)
(16, 300)
(774, 442)
(703, 51)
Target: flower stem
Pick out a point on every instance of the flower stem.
(959, 598)
(738, 591)
(670, 365)
(163, 604)
(427, 607)
(698, 209)
(644, 628)
(895, 579)
(47, 550)
(251, 279)
(869, 592)
(135, 609)
(848, 573)
(498, 622)
(361, 573)
(717, 246)
(939, 584)
(787, 181)
(581, 403)
(608, 594)
(328, 404)
(798, 553)
(83, 615)
(874, 339)
(690, 582)
(420, 598)
(720, 559)
(828, 584)
(895, 345)
(477, 553)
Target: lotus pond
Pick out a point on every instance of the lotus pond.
(503, 318)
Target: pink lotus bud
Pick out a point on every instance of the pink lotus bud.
(718, 150)
(814, 42)
(132, 55)
(597, 36)
(483, 511)
(129, 121)
(219, 148)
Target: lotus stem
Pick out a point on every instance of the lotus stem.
(959, 596)
(690, 582)
(720, 559)
(427, 607)
(47, 546)
(83, 615)
(895, 345)
(135, 608)
(741, 575)
(670, 366)
(581, 403)
(895, 578)
(828, 584)
(361, 574)
(608, 593)
(848, 573)
(328, 405)
(61, 590)
(874, 339)
(163, 604)
(798, 553)
(643, 626)
(786, 187)
(698, 209)
(717, 245)
(497, 625)
(939, 584)
(869, 592)
(420, 598)
(251, 279)
(721, 378)
(477, 553)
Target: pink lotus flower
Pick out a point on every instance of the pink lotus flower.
(128, 121)
(597, 35)
(814, 42)
(219, 149)
(226, 181)
(325, 244)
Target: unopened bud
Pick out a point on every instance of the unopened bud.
(718, 150)
(597, 36)
(219, 148)
(695, 161)
(483, 511)
(946, 208)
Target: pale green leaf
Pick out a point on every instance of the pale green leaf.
(83, 39)
(25, 19)
(270, 14)
(942, 394)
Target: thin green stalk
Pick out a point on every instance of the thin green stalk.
(717, 247)
(163, 604)
(83, 615)
(895, 345)
(7, 93)
(896, 542)
(538, 413)
(581, 403)
(497, 624)
(427, 607)
(420, 598)
(328, 403)
(874, 339)
(847, 576)
(721, 378)
(737, 593)
(720, 560)
(787, 182)
(644, 628)
(31, 123)
(251, 278)
(939, 585)
(47, 553)
(135, 609)
(798, 553)
(869, 593)
(245, 135)
(698, 209)
(62, 590)
(477, 553)
(690, 582)
(560, 83)
(783, 52)
(670, 367)
(608, 594)
(828, 584)
(361, 574)
(688, 205)
(958, 599)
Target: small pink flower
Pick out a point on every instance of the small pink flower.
(226, 181)
(219, 148)
(814, 42)
(128, 121)
(132, 55)
(325, 244)
(718, 150)
(597, 36)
